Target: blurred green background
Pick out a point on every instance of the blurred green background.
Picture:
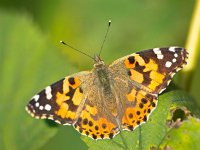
(31, 56)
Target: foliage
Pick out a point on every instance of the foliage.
(24, 65)
(187, 135)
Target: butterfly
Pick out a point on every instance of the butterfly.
(110, 98)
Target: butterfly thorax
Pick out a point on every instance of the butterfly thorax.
(101, 71)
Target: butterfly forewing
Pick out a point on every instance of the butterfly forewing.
(158, 66)
(59, 101)
(154, 68)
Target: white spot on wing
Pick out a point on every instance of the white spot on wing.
(37, 104)
(178, 69)
(174, 60)
(43, 117)
(48, 92)
(158, 52)
(156, 49)
(175, 55)
(160, 56)
(41, 107)
(172, 74)
(168, 82)
(47, 107)
(162, 90)
(50, 117)
(57, 121)
(36, 97)
(168, 64)
(172, 49)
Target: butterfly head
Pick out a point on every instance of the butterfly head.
(98, 62)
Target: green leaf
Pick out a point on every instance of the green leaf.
(28, 63)
(187, 136)
(149, 134)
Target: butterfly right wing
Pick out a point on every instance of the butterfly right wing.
(144, 75)
(60, 101)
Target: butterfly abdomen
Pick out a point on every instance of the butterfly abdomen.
(103, 78)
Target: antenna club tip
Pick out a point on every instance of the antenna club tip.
(109, 22)
(62, 42)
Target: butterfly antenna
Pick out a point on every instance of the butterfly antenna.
(109, 22)
(76, 50)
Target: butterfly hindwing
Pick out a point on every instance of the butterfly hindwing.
(95, 124)
(138, 113)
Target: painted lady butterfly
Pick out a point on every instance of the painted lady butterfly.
(101, 102)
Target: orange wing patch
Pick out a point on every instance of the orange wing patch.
(58, 102)
(135, 115)
(69, 100)
(151, 65)
(146, 74)
(131, 96)
(92, 124)
(136, 76)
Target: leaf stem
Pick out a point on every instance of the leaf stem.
(193, 47)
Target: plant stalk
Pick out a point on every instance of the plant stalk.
(193, 48)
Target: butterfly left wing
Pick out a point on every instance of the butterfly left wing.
(144, 75)
(59, 101)
(73, 101)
